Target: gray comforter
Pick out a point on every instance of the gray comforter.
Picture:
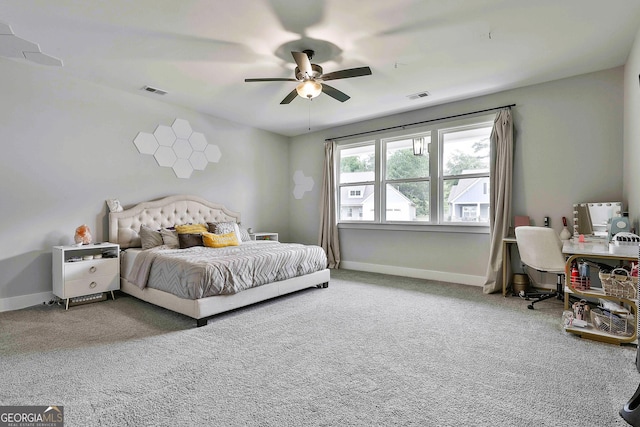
(199, 272)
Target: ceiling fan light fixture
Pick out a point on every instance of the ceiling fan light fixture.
(309, 89)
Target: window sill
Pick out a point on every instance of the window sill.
(430, 228)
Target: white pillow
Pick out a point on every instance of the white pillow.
(228, 227)
(114, 205)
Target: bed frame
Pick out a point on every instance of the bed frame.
(124, 228)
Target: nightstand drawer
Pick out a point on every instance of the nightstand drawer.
(96, 270)
(93, 285)
(90, 269)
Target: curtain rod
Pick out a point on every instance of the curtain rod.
(419, 123)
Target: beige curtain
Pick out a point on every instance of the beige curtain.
(500, 203)
(328, 239)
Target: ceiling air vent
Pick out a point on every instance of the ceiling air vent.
(418, 95)
(155, 90)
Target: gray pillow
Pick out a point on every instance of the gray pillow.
(150, 238)
(244, 235)
(170, 238)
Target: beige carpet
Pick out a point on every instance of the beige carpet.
(370, 350)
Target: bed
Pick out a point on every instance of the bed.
(201, 301)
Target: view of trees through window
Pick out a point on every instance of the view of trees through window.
(466, 156)
(411, 190)
(408, 174)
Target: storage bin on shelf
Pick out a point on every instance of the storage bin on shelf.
(618, 283)
(580, 276)
(612, 323)
(581, 283)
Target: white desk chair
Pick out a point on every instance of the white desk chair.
(541, 249)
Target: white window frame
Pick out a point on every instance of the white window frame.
(434, 145)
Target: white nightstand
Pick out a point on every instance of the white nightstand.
(82, 272)
(264, 236)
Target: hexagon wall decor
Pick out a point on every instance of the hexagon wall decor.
(302, 184)
(178, 147)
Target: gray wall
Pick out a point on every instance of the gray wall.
(632, 132)
(568, 148)
(68, 145)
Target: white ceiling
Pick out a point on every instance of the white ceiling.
(200, 51)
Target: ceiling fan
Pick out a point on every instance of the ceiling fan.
(310, 78)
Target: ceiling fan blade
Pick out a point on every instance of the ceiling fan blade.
(303, 62)
(345, 74)
(271, 80)
(334, 93)
(287, 99)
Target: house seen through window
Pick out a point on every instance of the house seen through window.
(381, 180)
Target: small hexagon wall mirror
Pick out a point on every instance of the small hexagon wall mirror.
(165, 135)
(165, 157)
(213, 153)
(182, 168)
(198, 160)
(178, 147)
(182, 128)
(182, 148)
(146, 143)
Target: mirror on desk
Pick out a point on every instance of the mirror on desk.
(594, 219)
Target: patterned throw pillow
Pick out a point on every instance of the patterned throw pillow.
(224, 228)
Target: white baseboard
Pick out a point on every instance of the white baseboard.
(23, 301)
(441, 276)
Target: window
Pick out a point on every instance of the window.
(465, 173)
(357, 182)
(406, 180)
(381, 181)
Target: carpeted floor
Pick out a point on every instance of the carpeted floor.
(370, 350)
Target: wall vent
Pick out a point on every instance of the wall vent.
(418, 95)
(155, 90)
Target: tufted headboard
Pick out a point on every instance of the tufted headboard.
(124, 226)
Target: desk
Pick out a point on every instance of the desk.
(506, 242)
(597, 250)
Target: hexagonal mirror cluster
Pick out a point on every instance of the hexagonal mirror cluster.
(178, 147)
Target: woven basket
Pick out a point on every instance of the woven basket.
(612, 324)
(619, 284)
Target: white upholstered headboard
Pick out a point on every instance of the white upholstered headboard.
(124, 226)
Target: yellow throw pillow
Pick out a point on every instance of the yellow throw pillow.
(191, 228)
(220, 240)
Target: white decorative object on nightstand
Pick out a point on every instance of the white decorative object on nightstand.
(87, 270)
(264, 236)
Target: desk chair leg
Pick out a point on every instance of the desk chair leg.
(541, 296)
